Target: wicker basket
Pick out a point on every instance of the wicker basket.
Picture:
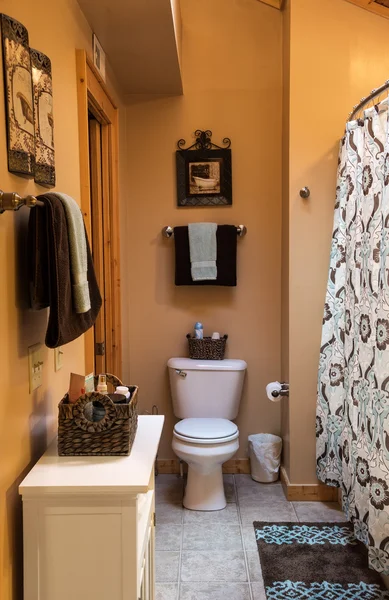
(113, 435)
(207, 348)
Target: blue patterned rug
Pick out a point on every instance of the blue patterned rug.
(315, 561)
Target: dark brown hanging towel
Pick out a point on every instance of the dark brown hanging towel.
(50, 277)
(226, 240)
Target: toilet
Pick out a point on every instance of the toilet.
(206, 396)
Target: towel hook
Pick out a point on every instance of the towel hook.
(305, 192)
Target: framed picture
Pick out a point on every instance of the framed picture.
(18, 97)
(44, 170)
(204, 174)
(98, 56)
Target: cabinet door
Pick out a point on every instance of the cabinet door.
(143, 586)
(151, 555)
(147, 585)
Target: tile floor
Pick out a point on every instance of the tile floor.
(213, 555)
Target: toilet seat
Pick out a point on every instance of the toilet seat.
(206, 431)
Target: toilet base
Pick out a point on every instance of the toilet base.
(205, 491)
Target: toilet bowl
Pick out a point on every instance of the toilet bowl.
(206, 396)
(205, 444)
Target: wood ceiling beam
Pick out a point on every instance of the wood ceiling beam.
(274, 3)
(372, 6)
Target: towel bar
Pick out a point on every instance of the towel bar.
(168, 231)
(12, 201)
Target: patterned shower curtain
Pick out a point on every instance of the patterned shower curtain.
(352, 422)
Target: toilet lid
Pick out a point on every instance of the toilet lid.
(206, 429)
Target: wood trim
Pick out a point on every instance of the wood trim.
(97, 76)
(274, 3)
(106, 247)
(167, 466)
(237, 465)
(92, 94)
(83, 132)
(95, 142)
(314, 492)
(372, 6)
(172, 466)
(115, 248)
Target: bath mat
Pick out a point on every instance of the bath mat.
(315, 561)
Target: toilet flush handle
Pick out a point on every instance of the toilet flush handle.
(181, 373)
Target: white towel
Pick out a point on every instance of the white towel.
(202, 247)
(78, 255)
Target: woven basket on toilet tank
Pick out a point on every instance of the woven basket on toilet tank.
(113, 435)
(207, 348)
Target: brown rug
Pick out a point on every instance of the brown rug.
(315, 561)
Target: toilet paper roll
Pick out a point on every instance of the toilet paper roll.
(274, 386)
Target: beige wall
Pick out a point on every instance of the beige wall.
(28, 421)
(338, 53)
(231, 61)
(285, 426)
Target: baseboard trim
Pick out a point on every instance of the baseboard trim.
(311, 492)
(167, 466)
(237, 466)
(172, 465)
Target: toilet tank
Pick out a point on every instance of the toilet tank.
(206, 388)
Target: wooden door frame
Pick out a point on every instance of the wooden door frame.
(93, 96)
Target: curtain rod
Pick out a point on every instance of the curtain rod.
(373, 94)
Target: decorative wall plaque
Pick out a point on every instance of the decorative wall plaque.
(18, 96)
(204, 174)
(44, 172)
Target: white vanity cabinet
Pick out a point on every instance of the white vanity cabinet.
(88, 523)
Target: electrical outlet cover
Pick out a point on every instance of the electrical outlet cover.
(35, 366)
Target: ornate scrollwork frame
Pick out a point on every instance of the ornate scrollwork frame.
(204, 151)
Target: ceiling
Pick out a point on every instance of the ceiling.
(379, 7)
(141, 41)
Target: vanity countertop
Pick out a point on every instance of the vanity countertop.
(60, 475)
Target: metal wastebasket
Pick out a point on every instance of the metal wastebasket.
(265, 456)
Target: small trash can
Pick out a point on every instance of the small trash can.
(265, 456)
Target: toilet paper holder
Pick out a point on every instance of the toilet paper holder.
(284, 391)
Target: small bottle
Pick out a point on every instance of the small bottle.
(98, 408)
(198, 331)
(102, 385)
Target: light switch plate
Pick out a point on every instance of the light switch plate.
(58, 358)
(35, 366)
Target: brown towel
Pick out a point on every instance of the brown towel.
(49, 274)
(225, 257)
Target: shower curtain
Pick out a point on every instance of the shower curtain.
(352, 422)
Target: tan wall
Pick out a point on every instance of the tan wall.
(231, 60)
(338, 54)
(27, 421)
(285, 426)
